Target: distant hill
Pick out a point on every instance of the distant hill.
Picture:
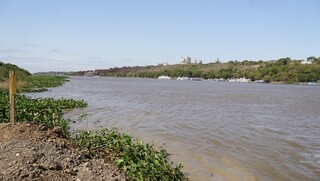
(4, 71)
(27, 82)
(282, 70)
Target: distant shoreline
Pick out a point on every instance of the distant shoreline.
(284, 70)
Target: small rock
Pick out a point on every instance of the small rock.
(69, 171)
(78, 179)
(17, 154)
(62, 144)
(35, 165)
(42, 127)
(57, 130)
(86, 164)
(55, 166)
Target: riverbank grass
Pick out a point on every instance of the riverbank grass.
(139, 160)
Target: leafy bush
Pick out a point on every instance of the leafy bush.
(139, 160)
(40, 83)
(41, 111)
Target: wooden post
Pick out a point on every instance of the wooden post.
(12, 92)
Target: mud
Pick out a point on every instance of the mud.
(34, 152)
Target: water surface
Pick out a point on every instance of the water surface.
(218, 131)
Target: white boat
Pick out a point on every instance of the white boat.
(312, 83)
(183, 78)
(196, 79)
(243, 80)
(164, 77)
(259, 81)
(239, 80)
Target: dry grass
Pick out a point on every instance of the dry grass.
(4, 85)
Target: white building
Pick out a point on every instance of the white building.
(186, 60)
(306, 62)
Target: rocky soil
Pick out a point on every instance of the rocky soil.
(33, 152)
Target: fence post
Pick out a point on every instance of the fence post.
(12, 92)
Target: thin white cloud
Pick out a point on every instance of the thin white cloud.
(9, 50)
(54, 50)
(40, 64)
(31, 45)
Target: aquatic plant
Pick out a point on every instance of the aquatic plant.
(40, 83)
(139, 160)
(46, 111)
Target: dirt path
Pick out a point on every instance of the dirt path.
(32, 152)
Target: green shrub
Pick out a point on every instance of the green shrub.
(139, 160)
(41, 111)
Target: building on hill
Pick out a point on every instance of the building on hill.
(305, 62)
(187, 60)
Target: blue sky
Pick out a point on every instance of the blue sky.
(44, 35)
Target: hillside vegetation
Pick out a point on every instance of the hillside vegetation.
(26, 82)
(282, 70)
(4, 71)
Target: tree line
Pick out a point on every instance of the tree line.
(282, 70)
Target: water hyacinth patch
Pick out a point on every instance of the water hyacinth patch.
(40, 83)
(46, 111)
(139, 160)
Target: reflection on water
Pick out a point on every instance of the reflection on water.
(219, 131)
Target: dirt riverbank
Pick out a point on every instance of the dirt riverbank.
(33, 152)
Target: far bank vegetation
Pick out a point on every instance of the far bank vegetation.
(282, 70)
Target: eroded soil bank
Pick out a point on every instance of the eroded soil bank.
(33, 152)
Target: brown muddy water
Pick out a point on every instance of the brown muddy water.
(218, 131)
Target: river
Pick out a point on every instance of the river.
(217, 130)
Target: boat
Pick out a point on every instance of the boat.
(196, 79)
(164, 77)
(183, 78)
(243, 80)
(259, 81)
(239, 80)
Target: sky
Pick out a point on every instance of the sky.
(71, 35)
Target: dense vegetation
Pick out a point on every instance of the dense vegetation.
(282, 70)
(39, 83)
(4, 72)
(40, 111)
(27, 82)
(139, 160)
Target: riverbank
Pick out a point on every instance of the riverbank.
(31, 152)
(136, 159)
